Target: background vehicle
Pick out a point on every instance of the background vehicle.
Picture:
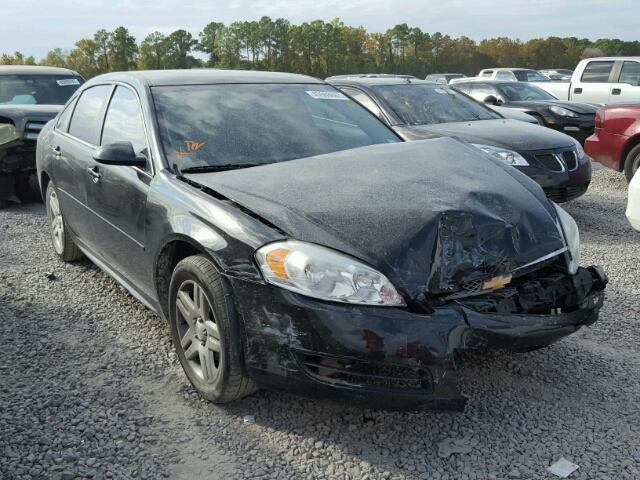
(417, 110)
(560, 74)
(512, 74)
(616, 140)
(443, 77)
(265, 228)
(370, 75)
(600, 81)
(574, 119)
(29, 98)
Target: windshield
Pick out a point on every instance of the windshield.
(529, 76)
(516, 92)
(249, 124)
(37, 89)
(423, 104)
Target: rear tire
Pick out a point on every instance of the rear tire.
(62, 242)
(206, 331)
(632, 163)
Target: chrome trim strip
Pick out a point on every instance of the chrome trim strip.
(101, 218)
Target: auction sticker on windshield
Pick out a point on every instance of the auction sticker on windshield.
(68, 81)
(323, 95)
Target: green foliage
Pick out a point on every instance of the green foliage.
(320, 48)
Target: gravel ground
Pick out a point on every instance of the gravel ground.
(90, 387)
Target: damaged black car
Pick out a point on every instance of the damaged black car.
(293, 241)
(29, 97)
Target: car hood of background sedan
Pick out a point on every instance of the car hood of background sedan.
(505, 133)
(581, 108)
(430, 215)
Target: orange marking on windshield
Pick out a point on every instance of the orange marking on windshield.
(192, 146)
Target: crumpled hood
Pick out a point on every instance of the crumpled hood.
(505, 133)
(581, 108)
(427, 214)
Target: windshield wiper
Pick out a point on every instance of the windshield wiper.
(218, 168)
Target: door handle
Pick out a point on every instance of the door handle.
(577, 90)
(94, 173)
(56, 151)
(616, 91)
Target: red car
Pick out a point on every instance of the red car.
(616, 140)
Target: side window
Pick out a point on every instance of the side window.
(630, 73)
(487, 73)
(123, 122)
(65, 115)
(597, 72)
(364, 100)
(505, 76)
(87, 118)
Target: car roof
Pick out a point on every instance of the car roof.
(34, 70)
(621, 57)
(370, 81)
(204, 76)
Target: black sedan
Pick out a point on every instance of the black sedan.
(418, 110)
(293, 241)
(573, 118)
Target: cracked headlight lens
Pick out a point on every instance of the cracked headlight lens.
(569, 229)
(323, 273)
(507, 156)
(8, 133)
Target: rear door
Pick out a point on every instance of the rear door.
(627, 86)
(117, 195)
(75, 137)
(594, 85)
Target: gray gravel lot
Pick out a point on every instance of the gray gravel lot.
(90, 387)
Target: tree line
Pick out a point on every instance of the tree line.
(318, 48)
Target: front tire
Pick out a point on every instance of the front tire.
(632, 163)
(62, 242)
(206, 332)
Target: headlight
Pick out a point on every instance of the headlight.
(323, 273)
(562, 112)
(507, 156)
(8, 133)
(569, 229)
(579, 150)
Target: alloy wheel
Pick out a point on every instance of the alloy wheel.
(56, 223)
(198, 331)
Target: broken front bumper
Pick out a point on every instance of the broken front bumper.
(383, 357)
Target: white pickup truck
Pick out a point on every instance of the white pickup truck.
(600, 80)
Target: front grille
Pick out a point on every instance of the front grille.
(564, 194)
(550, 161)
(32, 130)
(366, 374)
(570, 159)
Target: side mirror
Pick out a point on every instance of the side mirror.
(491, 100)
(119, 153)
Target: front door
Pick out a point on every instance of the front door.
(117, 195)
(72, 151)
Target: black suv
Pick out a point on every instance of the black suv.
(29, 97)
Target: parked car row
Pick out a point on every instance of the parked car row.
(417, 109)
(293, 240)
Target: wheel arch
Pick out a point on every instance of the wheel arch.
(633, 142)
(174, 249)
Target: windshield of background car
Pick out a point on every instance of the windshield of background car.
(209, 125)
(529, 76)
(417, 104)
(518, 92)
(37, 89)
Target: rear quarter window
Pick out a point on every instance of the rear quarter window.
(597, 72)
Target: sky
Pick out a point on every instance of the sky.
(36, 26)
